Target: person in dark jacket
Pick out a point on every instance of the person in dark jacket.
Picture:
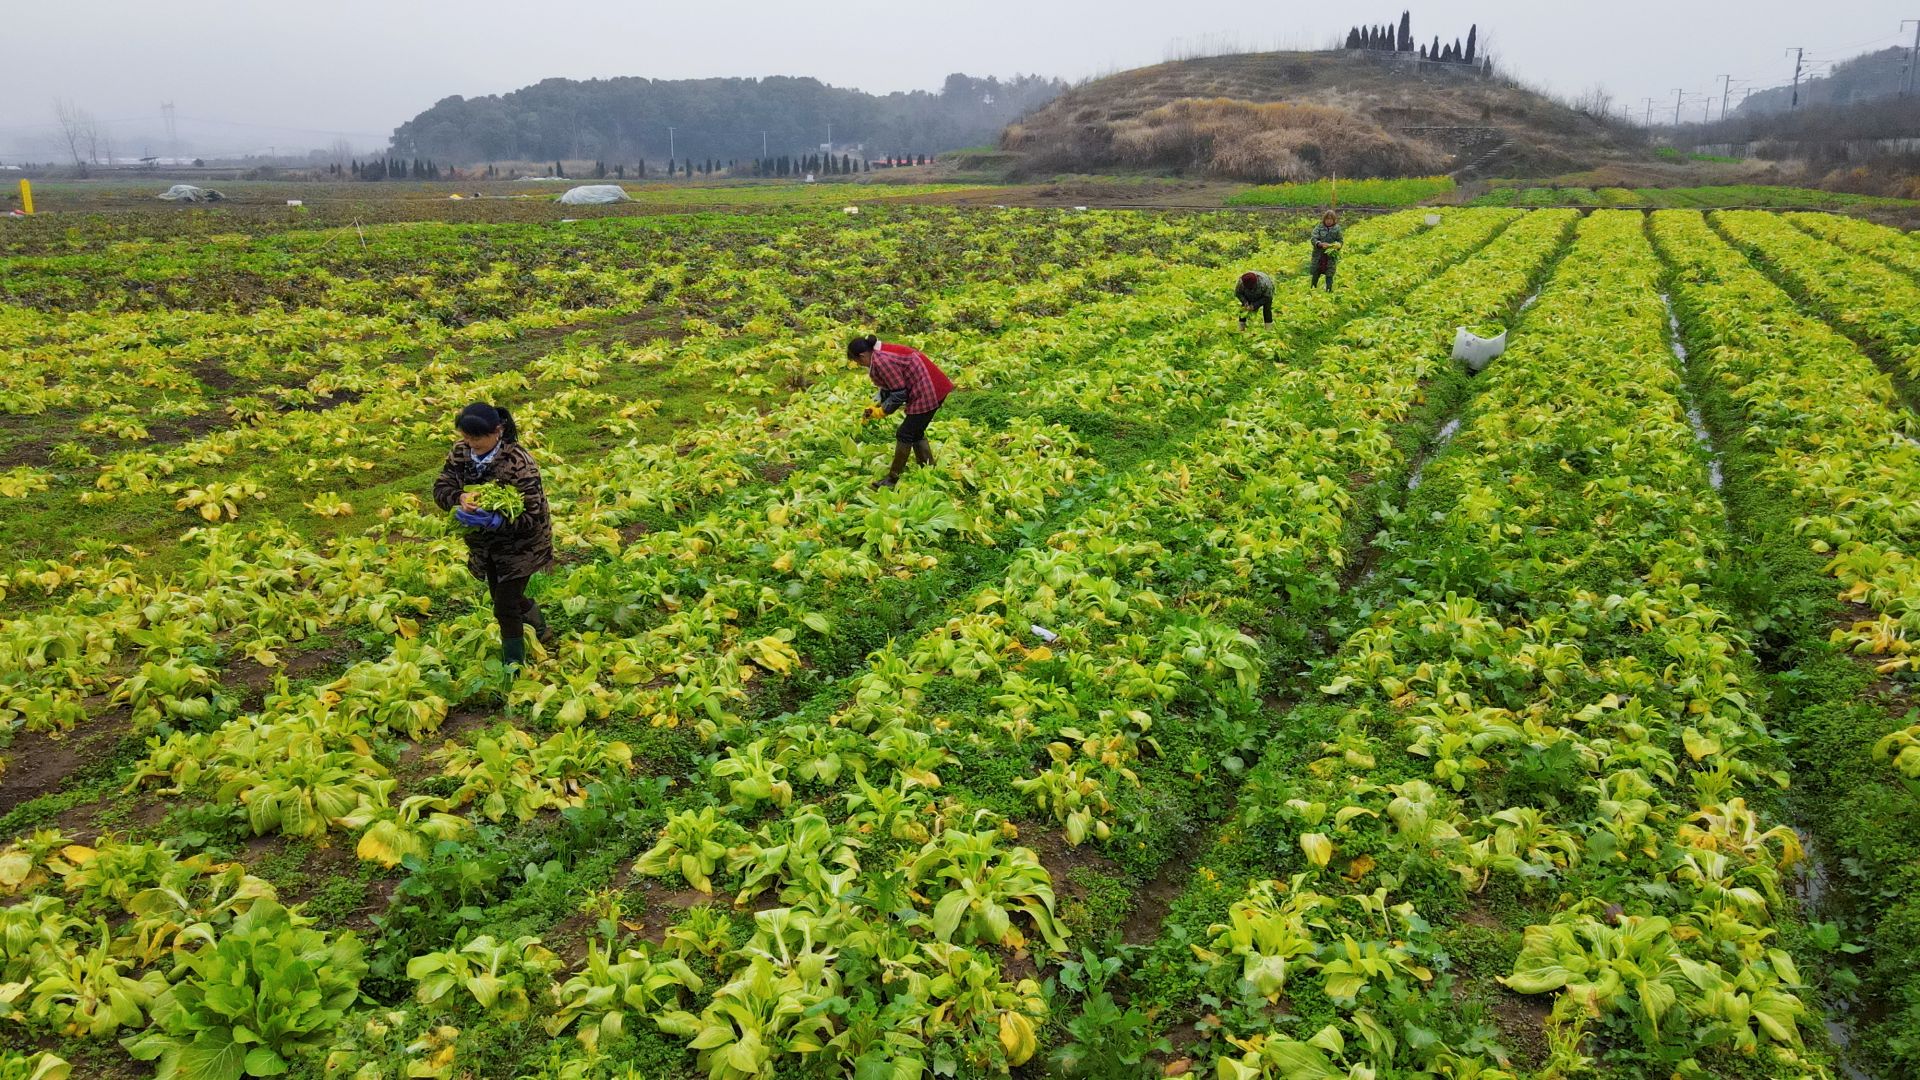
(1254, 290)
(503, 553)
(906, 378)
(1327, 241)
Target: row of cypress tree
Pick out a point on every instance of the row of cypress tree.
(1391, 39)
(390, 169)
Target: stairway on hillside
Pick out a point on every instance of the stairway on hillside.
(1483, 158)
(1473, 144)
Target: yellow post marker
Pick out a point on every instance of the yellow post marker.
(26, 196)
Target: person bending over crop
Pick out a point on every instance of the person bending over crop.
(906, 379)
(1254, 290)
(493, 488)
(1327, 239)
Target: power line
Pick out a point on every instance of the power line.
(1906, 77)
(1858, 45)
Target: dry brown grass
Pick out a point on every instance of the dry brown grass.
(1893, 178)
(1212, 116)
(1279, 141)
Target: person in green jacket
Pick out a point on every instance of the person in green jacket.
(1254, 290)
(1327, 239)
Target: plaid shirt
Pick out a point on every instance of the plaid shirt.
(895, 368)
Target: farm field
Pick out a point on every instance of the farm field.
(127, 209)
(1405, 192)
(1278, 704)
(1517, 193)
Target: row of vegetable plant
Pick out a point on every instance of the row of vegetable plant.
(351, 791)
(1889, 245)
(784, 774)
(1539, 759)
(1864, 298)
(668, 480)
(660, 631)
(1823, 471)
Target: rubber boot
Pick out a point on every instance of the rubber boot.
(923, 453)
(513, 652)
(900, 452)
(530, 614)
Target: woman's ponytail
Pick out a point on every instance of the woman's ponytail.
(860, 346)
(481, 418)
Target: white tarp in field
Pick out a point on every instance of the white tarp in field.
(189, 193)
(592, 194)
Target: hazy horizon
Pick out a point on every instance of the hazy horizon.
(246, 79)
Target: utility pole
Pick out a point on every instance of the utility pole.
(1726, 87)
(670, 153)
(763, 144)
(1649, 122)
(1906, 77)
(829, 136)
(1798, 54)
(1677, 95)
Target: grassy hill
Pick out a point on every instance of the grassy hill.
(1301, 115)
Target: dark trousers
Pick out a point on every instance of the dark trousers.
(1317, 275)
(1266, 313)
(511, 608)
(914, 427)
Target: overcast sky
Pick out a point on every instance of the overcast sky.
(246, 74)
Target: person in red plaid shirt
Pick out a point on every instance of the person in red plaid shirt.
(907, 379)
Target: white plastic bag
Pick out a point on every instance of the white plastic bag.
(1477, 351)
(1433, 219)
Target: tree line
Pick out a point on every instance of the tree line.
(782, 165)
(1388, 38)
(387, 169)
(631, 119)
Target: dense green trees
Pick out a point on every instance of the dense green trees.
(626, 119)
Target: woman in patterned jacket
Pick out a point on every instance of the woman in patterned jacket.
(1327, 238)
(503, 553)
(907, 379)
